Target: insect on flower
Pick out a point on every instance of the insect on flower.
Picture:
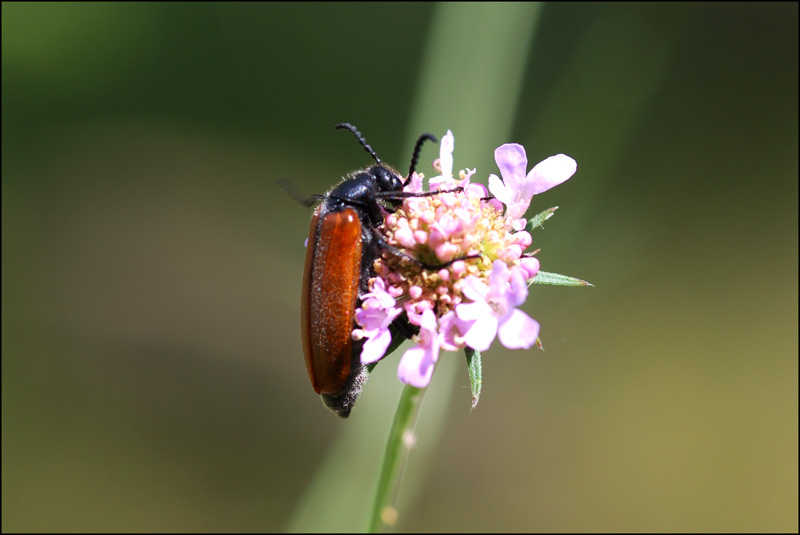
(445, 267)
(343, 245)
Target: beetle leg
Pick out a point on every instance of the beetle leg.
(406, 256)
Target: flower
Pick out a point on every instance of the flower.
(517, 189)
(456, 263)
(376, 313)
(493, 310)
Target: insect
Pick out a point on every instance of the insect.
(343, 243)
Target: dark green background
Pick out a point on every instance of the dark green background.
(152, 376)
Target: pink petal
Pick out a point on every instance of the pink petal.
(523, 238)
(511, 253)
(427, 321)
(517, 291)
(499, 189)
(416, 367)
(446, 251)
(512, 162)
(496, 204)
(473, 311)
(448, 327)
(530, 266)
(481, 335)
(519, 331)
(375, 348)
(498, 278)
(519, 224)
(517, 209)
(405, 237)
(446, 153)
(415, 184)
(551, 172)
(474, 289)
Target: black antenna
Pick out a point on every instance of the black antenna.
(417, 148)
(360, 138)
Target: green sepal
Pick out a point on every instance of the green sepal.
(474, 367)
(538, 219)
(554, 279)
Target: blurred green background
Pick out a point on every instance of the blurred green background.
(152, 376)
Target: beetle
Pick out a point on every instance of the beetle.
(343, 243)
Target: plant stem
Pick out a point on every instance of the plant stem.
(401, 441)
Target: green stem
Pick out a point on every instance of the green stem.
(401, 440)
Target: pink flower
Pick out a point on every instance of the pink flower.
(493, 310)
(517, 189)
(376, 313)
(416, 366)
(456, 263)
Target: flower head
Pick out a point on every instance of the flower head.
(456, 263)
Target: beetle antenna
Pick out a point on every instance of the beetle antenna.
(360, 138)
(417, 149)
